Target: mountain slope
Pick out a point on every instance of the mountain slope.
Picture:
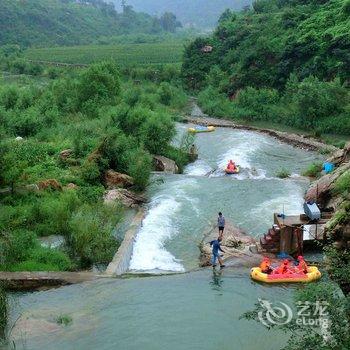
(66, 22)
(201, 13)
(285, 61)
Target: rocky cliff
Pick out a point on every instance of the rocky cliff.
(332, 194)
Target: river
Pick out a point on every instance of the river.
(193, 310)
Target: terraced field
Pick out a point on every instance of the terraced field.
(123, 54)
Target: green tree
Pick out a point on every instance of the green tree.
(169, 22)
(99, 85)
(156, 133)
(12, 169)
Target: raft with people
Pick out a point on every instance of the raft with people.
(232, 168)
(285, 272)
(201, 128)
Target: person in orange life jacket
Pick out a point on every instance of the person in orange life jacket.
(265, 265)
(283, 268)
(302, 266)
(231, 165)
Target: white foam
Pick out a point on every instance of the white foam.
(198, 168)
(241, 153)
(291, 203)
(238, 154)
(149, 252)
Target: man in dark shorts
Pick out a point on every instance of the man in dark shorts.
(215, 253)
(221, 224)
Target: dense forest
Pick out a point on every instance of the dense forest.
(199, 13)
(43, 23)
(285, 61)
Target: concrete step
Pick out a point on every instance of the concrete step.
(273, 233)
(267, 244)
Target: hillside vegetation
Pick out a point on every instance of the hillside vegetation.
(68, 22)
(286, 61)
(103, 122)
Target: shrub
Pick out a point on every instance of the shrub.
(283, 173)
(165, 93)
(139, 167)
(132, 120)
(346, 7)
(314, 170)
(51, 257)
(342, 185)
(316, 100)
(90, 238)
(99, 85)
(9, 97)
(26, 123)
(258, 103)
(50, 214)
(90, 194)
(180, 156)
(132, 96)
(90, 172)
(214, 103)
(64, 320)
(156, 132)
(16, 246)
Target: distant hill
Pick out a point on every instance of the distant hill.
(67, 22)
(200, 13)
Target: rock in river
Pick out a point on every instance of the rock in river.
(114, 179)
(125, 197)
(236, 245)
(165, 164)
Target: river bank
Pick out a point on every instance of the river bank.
(196, 116)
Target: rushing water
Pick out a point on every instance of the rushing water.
(183, 206)
(195, 310)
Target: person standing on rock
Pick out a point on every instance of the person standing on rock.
(221, 224)
(216, 255)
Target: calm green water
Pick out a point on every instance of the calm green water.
(195, 310)
(199, 310)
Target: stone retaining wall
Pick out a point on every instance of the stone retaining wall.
(121, 260)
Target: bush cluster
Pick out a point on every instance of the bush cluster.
(104, 123)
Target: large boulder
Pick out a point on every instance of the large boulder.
(114, 179)
(235, 243)
(49, 184)
(340, 156)
(65, 154)
(125, 197)
(321, 190)
(164, 164)
(71, 186)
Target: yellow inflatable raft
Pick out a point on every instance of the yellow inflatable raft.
(198, 129)
(313, 274)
